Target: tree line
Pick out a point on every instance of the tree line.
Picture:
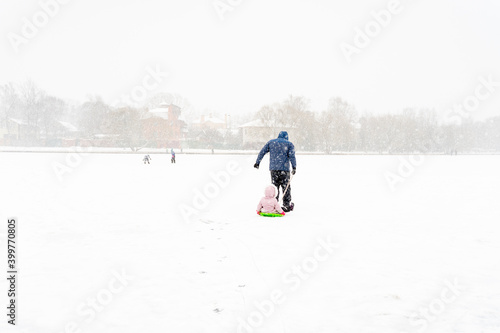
(338, 128)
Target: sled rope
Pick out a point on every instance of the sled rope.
(287, 185)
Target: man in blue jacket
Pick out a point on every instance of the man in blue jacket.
(282, 153)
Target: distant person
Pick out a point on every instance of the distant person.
(282, 153)
(269, 204)
(146, 159)
(172, 160)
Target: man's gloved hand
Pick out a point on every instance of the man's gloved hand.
(283, 213)
(256, 165)
(293, 171)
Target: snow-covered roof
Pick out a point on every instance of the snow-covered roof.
(68, 126)
(160, 112)
(18, 121)
(214, 120)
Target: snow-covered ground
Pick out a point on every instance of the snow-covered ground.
(376, 244)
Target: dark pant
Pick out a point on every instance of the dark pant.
(280, 180)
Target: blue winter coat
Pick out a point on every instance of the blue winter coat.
(281, 152)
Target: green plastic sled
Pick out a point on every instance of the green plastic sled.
(270, 214)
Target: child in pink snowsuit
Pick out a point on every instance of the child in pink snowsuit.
(269, 204)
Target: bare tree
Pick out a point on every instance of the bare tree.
(52, 109)
(292, 115)
(125, 122)
(92, 117)
(10, 104)
(338, 126)
(31, 98)
(300, 122)
(269, 116)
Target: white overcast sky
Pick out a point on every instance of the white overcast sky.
(430, 55)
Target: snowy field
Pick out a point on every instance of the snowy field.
(375, 244)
